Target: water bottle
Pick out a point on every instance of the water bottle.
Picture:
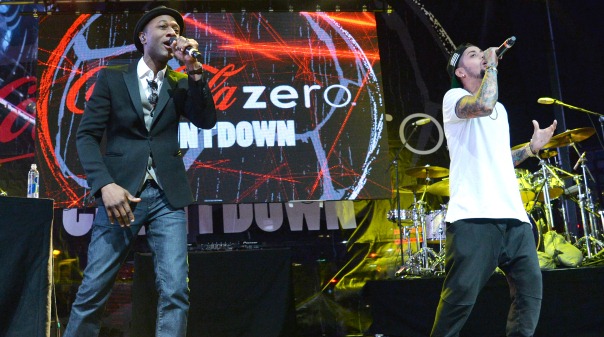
(33, 180)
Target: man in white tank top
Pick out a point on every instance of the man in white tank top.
(487, 226)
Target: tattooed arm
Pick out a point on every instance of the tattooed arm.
(482, 103)
(484, 93)
(519, 155)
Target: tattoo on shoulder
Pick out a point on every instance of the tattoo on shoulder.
(465, 108)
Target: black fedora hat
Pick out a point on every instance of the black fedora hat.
(148, 16)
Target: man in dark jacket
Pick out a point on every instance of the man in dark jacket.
(140, 179)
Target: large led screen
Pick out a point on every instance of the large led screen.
(299, 98)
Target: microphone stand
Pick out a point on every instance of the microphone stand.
(576, 108)
(398, 201)
(585, 170)
(601, 119)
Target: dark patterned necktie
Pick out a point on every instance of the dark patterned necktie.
(154, 96)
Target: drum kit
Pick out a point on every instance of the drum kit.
(427, 226)
(537, 189)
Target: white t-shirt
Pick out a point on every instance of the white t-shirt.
(482, 178)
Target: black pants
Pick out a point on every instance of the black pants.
(474, 248)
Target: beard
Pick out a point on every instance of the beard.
(478, 75)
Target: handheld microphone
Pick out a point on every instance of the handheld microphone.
(507, 44)
(189, 50)
(546, 100)
(422, 121)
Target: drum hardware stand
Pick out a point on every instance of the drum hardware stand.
(438, 265)
(410, 266)
(413, 266)
(582, 197)
(549, 217)
(423, 249)
(417, 264)
(545, 190)
(425, 260)
(441, 230)
(398, 208)
(562, 209)
(421, 263)
(588, 220)
(419, 216)
(398, 199)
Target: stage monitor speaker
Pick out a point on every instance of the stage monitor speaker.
(25, 272)
(233, 293)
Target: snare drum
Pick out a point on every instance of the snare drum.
(525, 184)
(435, 224)
(405, 215)
(556, 186)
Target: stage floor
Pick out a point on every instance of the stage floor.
(573, 305)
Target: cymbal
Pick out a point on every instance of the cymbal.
(550, 144)
(427, 171)
(415, 188)
(440, 188)
(570, 136)
(519, 146)
(563, 139)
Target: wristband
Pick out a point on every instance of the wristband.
(531, 152)
(492, 68)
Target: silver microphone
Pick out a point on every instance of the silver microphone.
(507, 44)
(189, 50)
(422, 121)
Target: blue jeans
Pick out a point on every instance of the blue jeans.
(109, 246)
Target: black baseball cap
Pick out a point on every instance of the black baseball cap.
(148, 16)
(454, 63)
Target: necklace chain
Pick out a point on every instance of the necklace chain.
(496, 114)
